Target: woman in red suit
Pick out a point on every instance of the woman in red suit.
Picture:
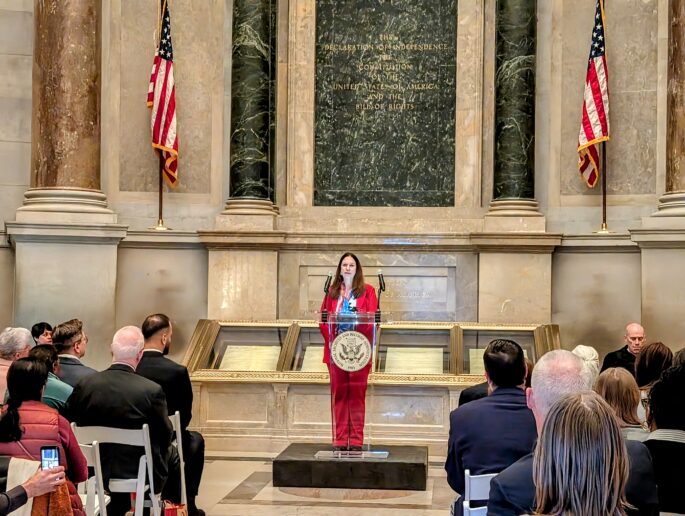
(347, 294)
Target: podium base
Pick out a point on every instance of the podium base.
(317, 465)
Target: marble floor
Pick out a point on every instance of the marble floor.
(240, 485)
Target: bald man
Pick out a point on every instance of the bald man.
(625, 357)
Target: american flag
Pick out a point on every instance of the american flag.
(161, 97)
(594, 126)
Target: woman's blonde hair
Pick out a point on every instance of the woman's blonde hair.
(619, 389)
(580, 465)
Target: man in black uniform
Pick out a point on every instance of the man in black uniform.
(175, 381)
(625, 357)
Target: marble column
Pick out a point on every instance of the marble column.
(672, 203)
(252, 113)
(514, 163)
(65, 132)
(65, 238)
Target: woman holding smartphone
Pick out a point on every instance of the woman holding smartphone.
(29, 425)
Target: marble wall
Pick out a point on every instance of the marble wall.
(421, 287)
(16, 61)
(385, 103)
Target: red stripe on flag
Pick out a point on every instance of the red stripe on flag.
(597, 95)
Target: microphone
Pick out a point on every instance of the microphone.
(381, 281)
(327, 285)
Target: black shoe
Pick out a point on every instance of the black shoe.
(355, 447)
(193, 510)
(339, 448)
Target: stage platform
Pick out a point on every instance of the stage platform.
(405, 468)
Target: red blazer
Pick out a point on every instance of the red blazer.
(367, 302)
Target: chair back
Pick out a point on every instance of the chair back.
(178, 442)
(138, 437)
(477, 487)
(95, 484)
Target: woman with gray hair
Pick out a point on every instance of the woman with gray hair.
(580, 466)
(590, 359)
(14, 343)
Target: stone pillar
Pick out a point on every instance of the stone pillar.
(250, 204)
(65, 132)
(514, 173)
(65, 237)
(672, 203)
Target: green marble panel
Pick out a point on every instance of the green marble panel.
(385, 102)
(515, 99)
(252, 98)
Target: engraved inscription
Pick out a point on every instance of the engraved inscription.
(385, 103)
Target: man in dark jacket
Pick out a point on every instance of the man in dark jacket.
(175, 381)
(71, 341)
(491, 433)
(626, 356)
(557, 374)
(119, 398)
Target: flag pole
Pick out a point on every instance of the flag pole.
(160, 219)
(605, 228)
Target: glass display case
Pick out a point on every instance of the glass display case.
(442, 352)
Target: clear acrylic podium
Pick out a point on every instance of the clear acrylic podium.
(351, 340)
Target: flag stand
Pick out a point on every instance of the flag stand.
(605, 229)
(160, 220)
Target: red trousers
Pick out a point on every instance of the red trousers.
(348, 396)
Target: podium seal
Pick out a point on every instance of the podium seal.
(351, 351)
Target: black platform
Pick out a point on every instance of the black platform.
(405, 468)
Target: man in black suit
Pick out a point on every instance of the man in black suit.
(557, 374)
(491, 433)
(119, 398)
(175, 381)
(473, 393)
(626, 356)
(70, 341)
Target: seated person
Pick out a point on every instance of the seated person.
(619, 388)
(581, 465)
(14, 343)
(557, 374)
(42, 482)
(175, 381)
(42, 333)
(71, 341)
(666, 443)
(119, 398)
(491, 433)
(56, 392)
(653, 360)
(29, 424)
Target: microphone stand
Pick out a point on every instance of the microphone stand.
(381, 289)
(327, 285)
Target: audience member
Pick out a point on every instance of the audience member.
(666, 443)
(618, 387)
(119, 398)
(42, 333)
(654, 359)
(175, 381)
(529, 371)
(590, 357)
(489, 434)
(625, 357)
(679, 358)
(43, 482)
(14, 343)
(557, 374)
(71, 340)
(29, 424)
(580, 467)
(56, 392)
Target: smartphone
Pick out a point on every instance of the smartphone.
(49, 457)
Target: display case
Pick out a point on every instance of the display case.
(262, 384)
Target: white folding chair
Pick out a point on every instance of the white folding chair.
(93, 496)
(141, 437)
(178, 442)
(477, 487)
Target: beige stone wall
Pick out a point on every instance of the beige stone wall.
(16, 58)
(6, 286)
